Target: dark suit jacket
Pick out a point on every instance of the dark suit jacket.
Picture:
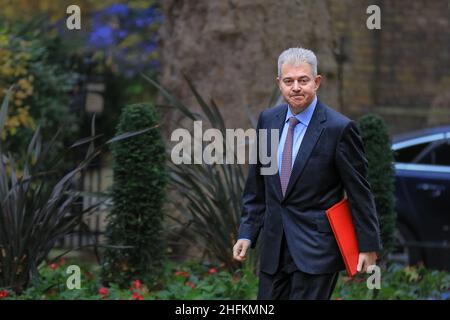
(331, 159)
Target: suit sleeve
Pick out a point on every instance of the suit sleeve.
(253, 200)
(352, 165)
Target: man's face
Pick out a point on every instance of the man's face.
(298, 85)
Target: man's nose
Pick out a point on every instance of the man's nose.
(296, 86)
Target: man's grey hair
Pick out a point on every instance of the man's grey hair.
(296, 56)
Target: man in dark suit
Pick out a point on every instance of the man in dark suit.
(320, 156)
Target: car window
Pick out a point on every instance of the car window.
(440, 155)
(408, 154)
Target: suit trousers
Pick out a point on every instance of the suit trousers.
(289, 283)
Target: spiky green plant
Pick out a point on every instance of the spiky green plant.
(36, 208)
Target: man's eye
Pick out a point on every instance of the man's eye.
(304, 81)
(288, 82)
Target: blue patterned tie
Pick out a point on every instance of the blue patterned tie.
(286, 159)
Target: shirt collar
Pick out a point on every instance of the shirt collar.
(305, 116)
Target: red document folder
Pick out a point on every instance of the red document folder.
(341, 222)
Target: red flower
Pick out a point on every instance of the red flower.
(190, 284)
(182, 273)
(339, 298)
(4, 294)
(51, 293)
(53, 266)
(103, 291)
(212, 271)
(62, 261)
(137, 296)
(137, 284)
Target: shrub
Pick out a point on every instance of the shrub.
(380, 175)
(136, 220)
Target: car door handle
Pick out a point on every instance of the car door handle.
(435, 190)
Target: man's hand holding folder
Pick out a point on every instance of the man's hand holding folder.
(365, 260)
(340, 219)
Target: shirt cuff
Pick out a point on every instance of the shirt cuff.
(250, 241)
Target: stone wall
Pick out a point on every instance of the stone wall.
(401, 71)
(230, 49)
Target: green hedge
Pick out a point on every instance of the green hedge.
(377, 145)
(139, 192)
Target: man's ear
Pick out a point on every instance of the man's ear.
(317, 81)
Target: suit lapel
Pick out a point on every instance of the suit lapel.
(312, 134)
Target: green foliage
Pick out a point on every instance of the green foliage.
(52, 284)
(381, 175)
(136, 220)
(194, 280)
(397, 283)
(36, 208)
(190, 281)
(43, 74)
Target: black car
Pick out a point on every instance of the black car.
(422, 180)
